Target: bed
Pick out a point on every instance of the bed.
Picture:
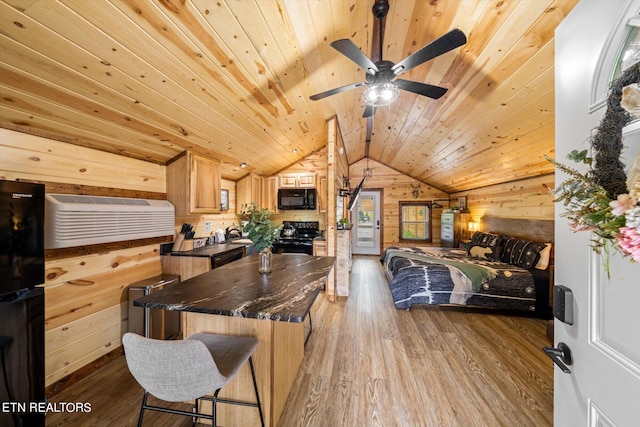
(498, 271)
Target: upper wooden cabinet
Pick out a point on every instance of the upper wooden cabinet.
(194, 184)
(248, 189)
(298, 180)
(270, 194)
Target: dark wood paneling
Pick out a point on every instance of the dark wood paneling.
(539, 230)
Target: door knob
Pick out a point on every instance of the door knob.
(561, 356)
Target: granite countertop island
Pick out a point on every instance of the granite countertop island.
(236, 299)
(238, 289)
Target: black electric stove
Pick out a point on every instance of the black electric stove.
(297, 237)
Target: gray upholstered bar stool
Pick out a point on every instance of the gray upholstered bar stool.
(189, 369)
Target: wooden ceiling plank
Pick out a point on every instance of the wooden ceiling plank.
(293, 73)
(498, 41)
(69, 134)
(493, 114)
(500, 113)
(494, 141)
(234, 78)
(69, 56)
(223, 100)
(461, 21)
(492, 19)
(60, 126)
(525, 158)
(17, 87)
(205, 141)
(255, 76)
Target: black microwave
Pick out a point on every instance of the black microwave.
(297, 199)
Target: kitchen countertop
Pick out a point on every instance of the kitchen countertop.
(238, 289)
(209, 251)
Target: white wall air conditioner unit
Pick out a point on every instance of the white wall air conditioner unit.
(72, 220)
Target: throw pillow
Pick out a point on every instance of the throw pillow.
(521, 253)
(485, 246)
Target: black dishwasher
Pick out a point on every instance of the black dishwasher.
(226, 257)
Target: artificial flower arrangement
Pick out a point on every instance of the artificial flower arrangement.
(603, 200)
(590, 208)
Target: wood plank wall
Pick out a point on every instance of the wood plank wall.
(527, 198)
(85, 291)
(396, 188)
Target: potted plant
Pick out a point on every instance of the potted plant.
(261, 231)
(343, 224)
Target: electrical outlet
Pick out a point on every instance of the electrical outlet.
(207, 227)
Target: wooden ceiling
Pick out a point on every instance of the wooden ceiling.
(232, 78)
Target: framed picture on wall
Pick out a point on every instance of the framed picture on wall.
(462, 202)
(224, 200)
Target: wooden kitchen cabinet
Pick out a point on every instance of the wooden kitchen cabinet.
(248, 189)
(270, 194)
(194, 184)
(185, 266)
(298, 180)
(319, 247)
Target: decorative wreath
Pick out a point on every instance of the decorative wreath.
(603, 200)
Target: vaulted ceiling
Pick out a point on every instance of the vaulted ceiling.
(232, 79)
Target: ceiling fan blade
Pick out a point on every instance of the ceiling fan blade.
(424, 89)
(369, 111)
(340, 89)
(453, 39)
(351, 51)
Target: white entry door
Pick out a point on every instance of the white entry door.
(365, 234)
(603, 385)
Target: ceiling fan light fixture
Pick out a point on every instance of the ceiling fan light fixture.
(380, 94)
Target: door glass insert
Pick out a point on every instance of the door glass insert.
(365, 224)
(630, 53)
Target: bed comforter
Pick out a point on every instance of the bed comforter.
(444, 276)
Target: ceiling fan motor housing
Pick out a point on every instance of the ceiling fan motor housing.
(380, 9)
(384, 74)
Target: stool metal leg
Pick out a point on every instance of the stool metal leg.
(255, 386)
(142, 408)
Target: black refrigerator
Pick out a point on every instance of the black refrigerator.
(22, 395)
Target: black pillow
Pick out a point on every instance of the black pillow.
(485, 245)
(521, 253)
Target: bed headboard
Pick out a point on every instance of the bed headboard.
(538, 230)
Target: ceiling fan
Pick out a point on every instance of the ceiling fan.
(382, 85)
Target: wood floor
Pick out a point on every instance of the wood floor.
(368, 364)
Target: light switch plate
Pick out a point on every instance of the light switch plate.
(207, 227)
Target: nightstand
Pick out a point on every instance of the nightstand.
(464, 244)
